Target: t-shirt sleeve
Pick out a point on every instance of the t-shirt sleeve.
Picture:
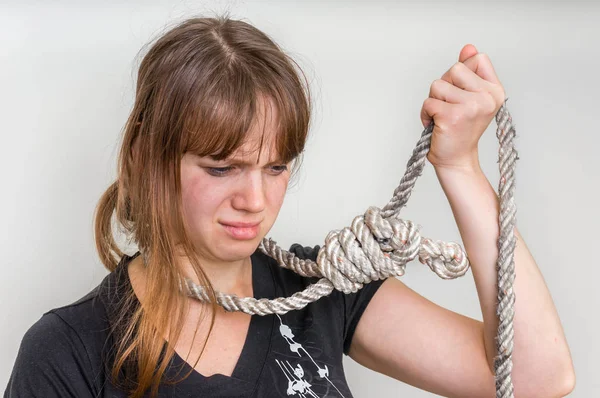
(354, 304)
(51, 362)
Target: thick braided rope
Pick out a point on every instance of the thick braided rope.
(505, 265)
(379, 244)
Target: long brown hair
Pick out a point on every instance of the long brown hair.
(197, 91)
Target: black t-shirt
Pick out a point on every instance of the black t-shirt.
(295, 354)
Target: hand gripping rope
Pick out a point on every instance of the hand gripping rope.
(379, 244)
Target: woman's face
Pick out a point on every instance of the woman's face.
(245, 189)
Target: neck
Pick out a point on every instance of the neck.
(226, 277)
(232, 277)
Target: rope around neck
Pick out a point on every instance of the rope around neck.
(379, 244)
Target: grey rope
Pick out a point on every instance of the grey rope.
(379, 244)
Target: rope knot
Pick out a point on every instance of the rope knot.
(374, 248)
(447, 259)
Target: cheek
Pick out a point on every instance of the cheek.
(200, 199)
(276, 193)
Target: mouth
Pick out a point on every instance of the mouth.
(240, 224)
(241, 231)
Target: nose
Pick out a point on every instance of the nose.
(251, 193)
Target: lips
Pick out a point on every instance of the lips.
(240, 224)
(241, 231)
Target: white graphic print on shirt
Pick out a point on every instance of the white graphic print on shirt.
(297, 385)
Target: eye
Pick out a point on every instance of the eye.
(222, 171)
(218, 171)
(279, 169)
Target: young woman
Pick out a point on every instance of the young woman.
(217, 130)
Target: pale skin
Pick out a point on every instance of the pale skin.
(252, 190)
(407, 337)
(401, 333)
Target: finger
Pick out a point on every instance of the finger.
(463, 77)
(467, 52)
(431, 108)
(443, 90)
(482, 66)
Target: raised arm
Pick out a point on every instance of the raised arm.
(408, 337)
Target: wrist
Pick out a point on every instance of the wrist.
(459, 180)
(466, 168)
(468, 162)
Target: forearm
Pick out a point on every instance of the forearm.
(541, 354)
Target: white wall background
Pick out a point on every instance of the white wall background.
(66, 85)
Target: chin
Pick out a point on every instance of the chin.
(239, 249)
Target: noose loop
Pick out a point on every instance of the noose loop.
(379, 244)
(372, 248)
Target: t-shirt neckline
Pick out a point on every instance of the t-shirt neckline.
(256, 346)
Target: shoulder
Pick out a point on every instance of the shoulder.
(52, 361)
(75, 326)
(61, 353)
(49, 341)
(352, 305)
(93, 315)
(305, 252)
(339, 310)
(86, 317)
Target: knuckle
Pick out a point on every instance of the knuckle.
(456, 68)
(458, 65)
(501, 93)
(488, 104)
(436, 86)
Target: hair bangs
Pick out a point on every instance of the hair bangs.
(220, 118)
(224, 115)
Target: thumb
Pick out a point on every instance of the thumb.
(467, 52)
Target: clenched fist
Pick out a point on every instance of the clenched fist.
(462, 104)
